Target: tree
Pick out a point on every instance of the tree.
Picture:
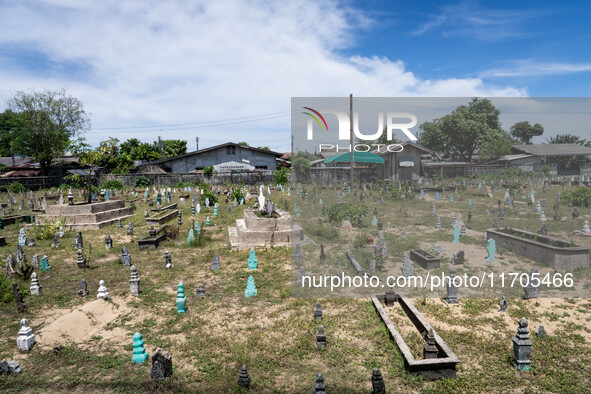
(171, 148)
(568, 139)
(53, 118)
(137, 150)
(243, 143)
(465, 130)
(524, 132)
(10, 124)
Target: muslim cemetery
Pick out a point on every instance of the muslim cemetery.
(284, 288)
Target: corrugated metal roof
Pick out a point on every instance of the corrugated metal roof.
(554, 149)
(18, 161)
(515, 157)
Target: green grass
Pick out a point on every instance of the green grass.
(273, 333)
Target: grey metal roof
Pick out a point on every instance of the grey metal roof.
(553, 149)
(198, 152)
(16, 161)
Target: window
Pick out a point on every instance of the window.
(230, 150)
(260, 167)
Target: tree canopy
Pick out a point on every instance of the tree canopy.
(524, 132)
(467, 129)
(50, 119)
(568, 139)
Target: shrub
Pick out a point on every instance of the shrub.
(48, 228)
(338, 212)
(579, 197)
(5, 290)
(545, 169)
(182, 185)
(16, 187)
(237, 194)
(74, 181)
(325, 232)
(141, 181)
(208, 170)
(209, 194)
(281, 176)
(112, 184)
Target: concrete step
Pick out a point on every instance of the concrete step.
(98, 217)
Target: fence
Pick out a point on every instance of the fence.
(489, 169)
(33, 182)
(247, 178)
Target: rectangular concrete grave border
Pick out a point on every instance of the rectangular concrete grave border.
(354, 262)
(162, 209)
(165, 216)
(162, 234)
(12, 219)
(560, 256)
(425, 259)
(432, 369)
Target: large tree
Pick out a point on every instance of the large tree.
(10, 123)
(465, 130)
(53, 119)
(524, 131)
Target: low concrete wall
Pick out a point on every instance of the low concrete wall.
(557, 257)
(247, 178)
(33, 182)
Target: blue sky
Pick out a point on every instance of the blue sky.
(226, 70)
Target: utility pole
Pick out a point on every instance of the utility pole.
(351, 130)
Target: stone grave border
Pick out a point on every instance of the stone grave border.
(564, 258)
(425, 259)
(432, 368)
(162, 234)
(163, 217)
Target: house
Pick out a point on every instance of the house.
(523, 161)
(226, 157)
(405, 165)
(567, 159)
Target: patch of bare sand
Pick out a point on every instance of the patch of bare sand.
(82, 324)
(542, 306)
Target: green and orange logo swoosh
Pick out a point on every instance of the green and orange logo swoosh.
(315, 118)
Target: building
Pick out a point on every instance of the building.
(225, 157)
(405, 165)
(565, 159)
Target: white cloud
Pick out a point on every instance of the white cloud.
(532, 68)
(468, 19)
(171, 62)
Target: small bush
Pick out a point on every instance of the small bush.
(237, 194)
(182, 185)
(579, 197)
(209, 194)
(208, 170)
(48, 228)
(74, 181)
(281, 176)
(5, 290)
(338, 212)
(16, 187)
(141, 181)
(112, 184)
(325, 232)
